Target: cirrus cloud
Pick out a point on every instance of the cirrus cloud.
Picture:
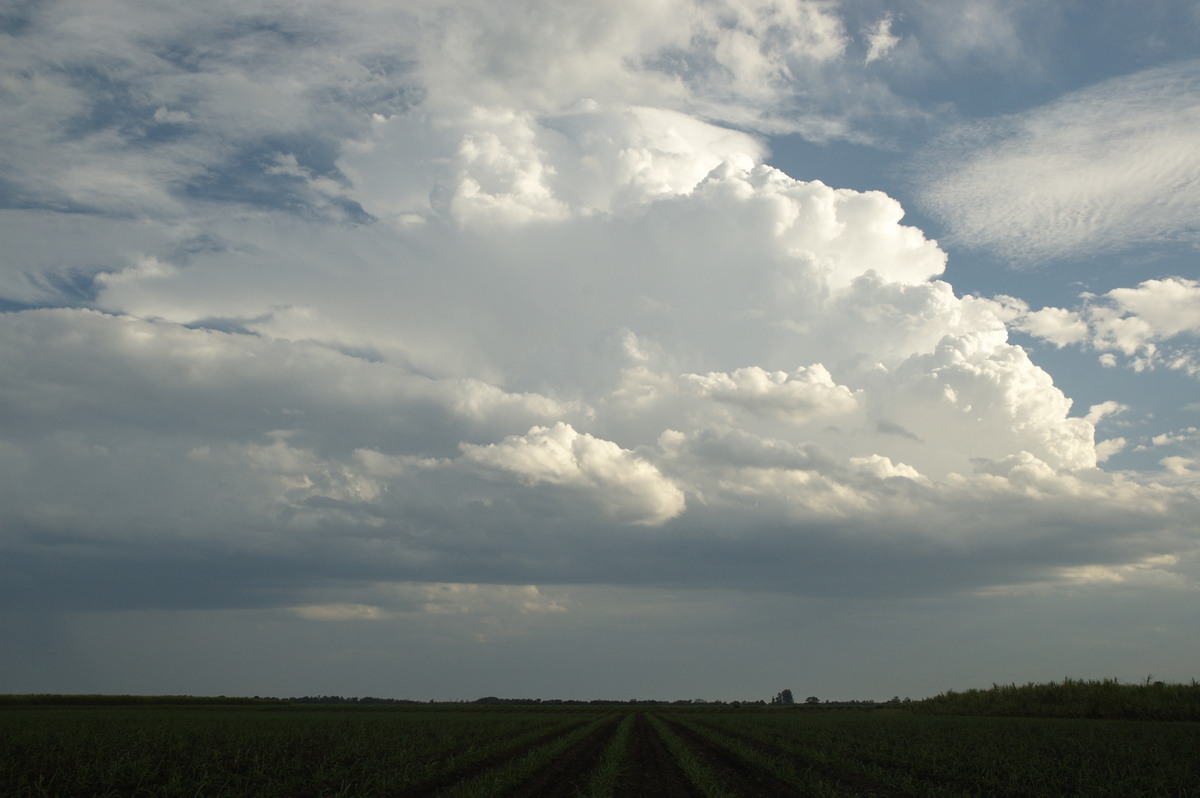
(1103, 169)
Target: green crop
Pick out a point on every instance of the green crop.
(199, 749)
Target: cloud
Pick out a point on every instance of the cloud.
(797, 397)
(621, 483)
(1157, 572)
(975, 29)
(880, 39)
(1058, 326)
(1107, 448)
(453, 296)
(340, 612)
(501, 166)
(483, 607)
(1102, 169)
(267, 453)
(1105, 409)
(186, 105)
(733, 61)
(1171, 306)
(1153, 324)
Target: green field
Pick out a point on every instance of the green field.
(277, 749)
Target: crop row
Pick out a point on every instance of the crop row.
(232, 751)
(887, 753)
(589, 752)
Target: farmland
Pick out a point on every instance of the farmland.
(457, 750)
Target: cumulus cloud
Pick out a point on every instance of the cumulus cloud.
(797, 397)
(1153, 324)
(503, 166)
(621, 483)
(1099, 170)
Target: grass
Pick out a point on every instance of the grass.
(1073, 698)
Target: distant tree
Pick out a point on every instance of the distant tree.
(812, 699)
(784, 698)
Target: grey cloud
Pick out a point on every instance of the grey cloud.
(891, 428)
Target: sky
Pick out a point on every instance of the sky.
(556, 348)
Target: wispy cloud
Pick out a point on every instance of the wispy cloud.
(880, 39)
(1099, 170)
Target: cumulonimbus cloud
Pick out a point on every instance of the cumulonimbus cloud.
(406, 323)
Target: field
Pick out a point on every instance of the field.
(589, 750)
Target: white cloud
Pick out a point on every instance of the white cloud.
(1179, 466)
(1189, 434)
(1059, 327)
(1155, 323)
(1102, 169)
(505, 167)
(880, 39)
(1170, 306)
(1104, 410)
(731, 60)
(797, 397)
(1107, 448)
(622, 484)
